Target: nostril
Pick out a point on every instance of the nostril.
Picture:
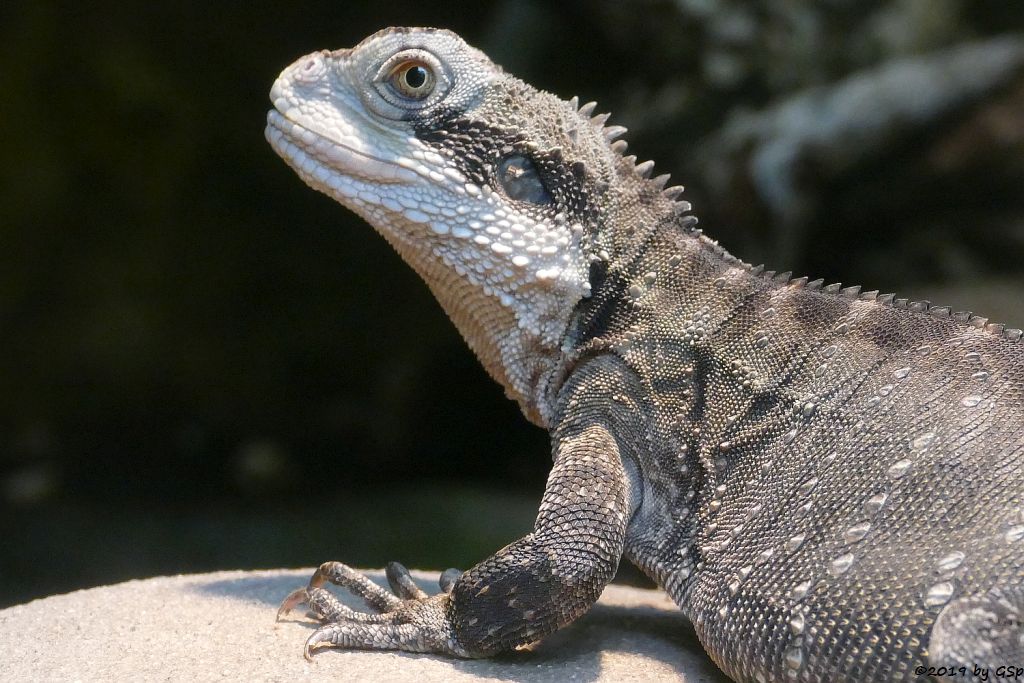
(308, 69)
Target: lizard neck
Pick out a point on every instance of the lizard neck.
(667, 272)
(516, 330)
(521, 357)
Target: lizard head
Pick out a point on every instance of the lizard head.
(496, 193)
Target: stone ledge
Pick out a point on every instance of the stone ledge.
(220, 626)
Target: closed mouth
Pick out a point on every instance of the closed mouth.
(320, 157)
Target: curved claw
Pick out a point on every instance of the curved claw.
(313, 642)
(294, 599)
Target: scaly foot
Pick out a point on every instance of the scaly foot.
(404, 619)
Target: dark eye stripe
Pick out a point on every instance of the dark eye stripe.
(481, 151)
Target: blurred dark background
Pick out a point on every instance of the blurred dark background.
(204, 364)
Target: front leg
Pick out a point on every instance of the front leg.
(552, 576)
(523, 592)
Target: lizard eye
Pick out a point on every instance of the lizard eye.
(521, 181)
(408, 82)
(412, 79)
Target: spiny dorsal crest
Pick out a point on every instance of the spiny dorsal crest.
(854, 293)
(611, 134)
(642, 170)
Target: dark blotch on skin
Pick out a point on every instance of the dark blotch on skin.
(520, 180)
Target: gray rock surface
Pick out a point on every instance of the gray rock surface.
(220, 626)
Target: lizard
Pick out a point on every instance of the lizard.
(828, 482)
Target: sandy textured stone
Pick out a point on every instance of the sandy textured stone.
(220, 626)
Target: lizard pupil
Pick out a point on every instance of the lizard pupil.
(412, 80)
(415, 77)
(519, 178)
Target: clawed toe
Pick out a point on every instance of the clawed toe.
(318, 639)
(294, 599)
(448, 578)
(401, 582)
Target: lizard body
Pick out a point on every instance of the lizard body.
(829, 483)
